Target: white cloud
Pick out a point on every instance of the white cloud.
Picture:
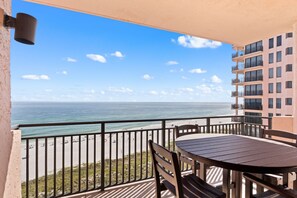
(120, 90)
(184, 78)
(64, 72)
(206, 89)
(35, 77)
(118, 54)
(163, 93)
(96, 57)
(153, 92)
(48, 90)
(172, 63)
(181, 70)
(72, 60)
(147, 77)
(102, 92)
(197, 71)
(196, 42)
(187, 89)
(215, 79)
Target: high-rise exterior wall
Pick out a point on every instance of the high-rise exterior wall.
(265, 77)
(10, 183)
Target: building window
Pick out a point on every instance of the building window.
(251, 90)
(253, 75)
(289, 67)
(289, 50)
(270, 88)
(254, 47)
(289, 35)
(270, 58)
(289, 84)
(253, 62)
(279, 72)
(278, 114)
(270, 115)
(278, 87)
(288, 101)
(270, 43)
(279, 41)
(270, 72)
(279, 56)
(278, 103)
(270, 103)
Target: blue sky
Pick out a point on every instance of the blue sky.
(79, 57)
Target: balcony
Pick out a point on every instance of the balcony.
(237, 81)
(253, 106)
(60, 165)
(253, 93)
(237, 94)
(253, 78)
(237, 106)
(238, 68)
(237, 54)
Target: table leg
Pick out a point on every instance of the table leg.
(202, 171)
(237, 180)
(226, 182)
(248, 188)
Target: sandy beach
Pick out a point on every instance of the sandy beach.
(112, 143)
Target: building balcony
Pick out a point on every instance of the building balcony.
(237, 81)
(64, 165)
(238, 68)
(251, 106)
(237, 56)
(237, 106)
(237, 94)
(253, 78)
(253, 93)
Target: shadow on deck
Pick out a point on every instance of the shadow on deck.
(144, 188)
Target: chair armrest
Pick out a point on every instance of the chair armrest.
(277, 189)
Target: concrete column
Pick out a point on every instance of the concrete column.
(295, 78)
(10, 185)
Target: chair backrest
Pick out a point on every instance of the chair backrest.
(186, 130)
(280, 136)
(165, 164)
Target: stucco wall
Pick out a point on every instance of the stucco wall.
(283, 123)
(9, 171)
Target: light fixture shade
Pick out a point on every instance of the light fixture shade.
(25, 28)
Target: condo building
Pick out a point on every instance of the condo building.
(264, 78)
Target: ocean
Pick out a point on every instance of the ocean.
(47, 112)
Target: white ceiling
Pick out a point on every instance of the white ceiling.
(236, 22)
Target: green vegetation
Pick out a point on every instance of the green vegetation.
(143, 169)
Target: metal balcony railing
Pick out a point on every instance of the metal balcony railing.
(237, 54)
(59, 165)
(237, 80)
(237, 106)
(256, 64)
(237, 94)
(238, 67)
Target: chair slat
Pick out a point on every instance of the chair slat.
(164, 163)
(274, 134)
(165, 174)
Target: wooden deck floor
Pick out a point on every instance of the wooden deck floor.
(144, 188)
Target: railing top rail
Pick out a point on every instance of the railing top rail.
(19, 126)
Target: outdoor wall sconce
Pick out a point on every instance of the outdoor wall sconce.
(24, 24)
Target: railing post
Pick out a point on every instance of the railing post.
(102, 155)
(242, 126)
(163, 132)
(269, 123)
(208, 125)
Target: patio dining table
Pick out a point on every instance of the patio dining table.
(238, 154)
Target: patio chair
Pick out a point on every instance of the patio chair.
(166, 164)
(188, 130)
(273, 190)
(283, 137)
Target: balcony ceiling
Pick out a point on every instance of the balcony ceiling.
(236, 22)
